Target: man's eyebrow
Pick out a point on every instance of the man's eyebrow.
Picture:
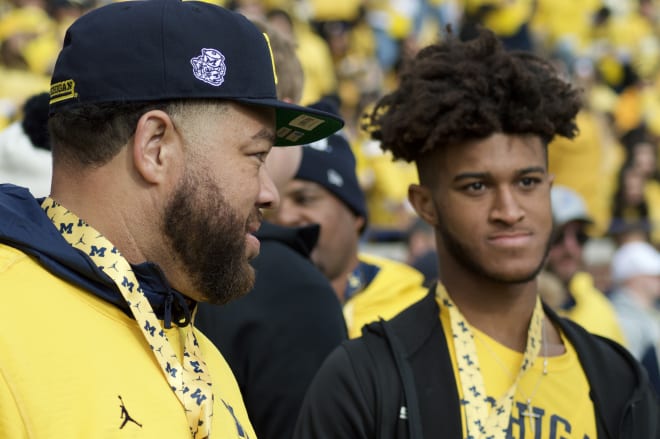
(265, 134)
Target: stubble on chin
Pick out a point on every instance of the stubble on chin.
(470, 260)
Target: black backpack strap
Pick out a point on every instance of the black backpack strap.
(408, 381)
(387, 353)
(376, 368)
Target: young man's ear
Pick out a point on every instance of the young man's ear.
(156, 146)
(422, 201)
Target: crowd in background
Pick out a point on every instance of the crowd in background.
(353, 50)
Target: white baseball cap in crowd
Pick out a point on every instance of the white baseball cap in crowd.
(567, 206)
(636, 258)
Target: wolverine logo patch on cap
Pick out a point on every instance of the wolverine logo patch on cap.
(187, 50)
(210, 67)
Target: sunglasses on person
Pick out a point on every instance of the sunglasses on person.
(580, 236)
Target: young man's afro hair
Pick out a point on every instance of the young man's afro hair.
(456, 91)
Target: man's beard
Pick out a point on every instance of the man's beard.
(466, 259)
(208, 236)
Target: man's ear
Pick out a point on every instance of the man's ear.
(422, 201)
(156, 145)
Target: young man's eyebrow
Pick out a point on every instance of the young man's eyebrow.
(483, 175)
(471, 176)
(531, 170)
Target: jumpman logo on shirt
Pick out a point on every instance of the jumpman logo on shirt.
(125, 416)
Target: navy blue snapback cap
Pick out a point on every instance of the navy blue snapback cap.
(158, 50)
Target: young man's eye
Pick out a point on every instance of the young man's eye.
(529, 182)
(475, 186)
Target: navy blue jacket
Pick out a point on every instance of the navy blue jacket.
(276, 337)
(25, 226)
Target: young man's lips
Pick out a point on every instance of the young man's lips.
(510, 239)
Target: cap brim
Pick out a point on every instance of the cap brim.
(561, 221)
(297, 125)
(581, 219)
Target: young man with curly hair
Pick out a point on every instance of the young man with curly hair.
(480, 356)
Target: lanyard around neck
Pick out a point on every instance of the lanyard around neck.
(482, 420)
(190, 381)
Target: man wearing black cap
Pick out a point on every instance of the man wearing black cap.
(161, 115)
(325, 191)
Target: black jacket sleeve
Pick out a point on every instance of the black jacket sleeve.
(277, 336)
(338, 403)
(626, 405)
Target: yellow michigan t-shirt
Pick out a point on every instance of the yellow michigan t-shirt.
(74, 366)
(559, 400)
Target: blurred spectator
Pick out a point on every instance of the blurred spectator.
(637, 202)
(421, 250)
(393, 22)
(385, 183)
(635, 205)
(597, 256)
(436, 15)
(325, 191)
(353, 49)
(25, 158)
(312, 51)
(509, 20)
(563, 27)
(580, 300)
(291, 77)
(636, 277)
(252, 9)
(334, 10)
(27, 51)
(65, 12)
(585, 164)
(641, 149)
(28, 39)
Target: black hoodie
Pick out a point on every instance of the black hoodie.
(397, 381)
